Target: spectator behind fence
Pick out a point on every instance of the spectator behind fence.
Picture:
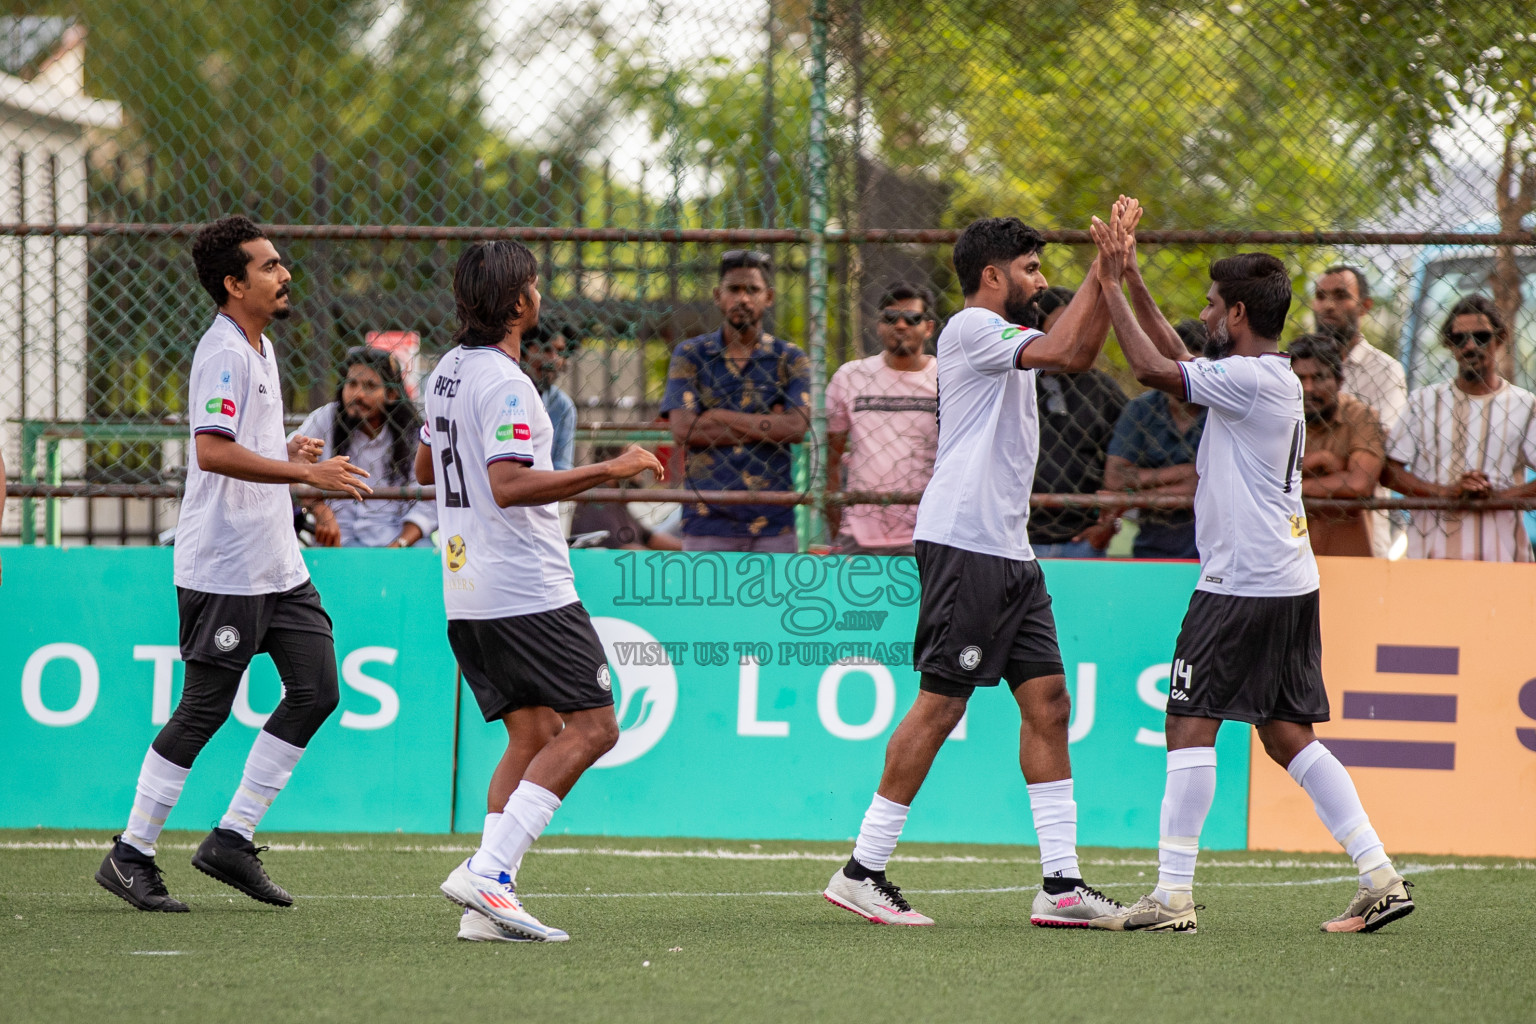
(1078, 412)
(616, 520)
(375, 425)
(1473, 436)
(886, 408)
(1153, 452)
(1344, 451)
(1341, 298)
(736, 399)
(544, 356)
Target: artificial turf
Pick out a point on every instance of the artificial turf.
(738, 932)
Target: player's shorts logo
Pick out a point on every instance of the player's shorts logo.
(645, 696)
(457, 555)
(226, 638)
(604, 679)
(970, 657)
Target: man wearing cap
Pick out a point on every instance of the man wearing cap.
(736, 399)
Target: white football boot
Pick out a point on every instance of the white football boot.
(496, 900)
(1081, 906)
(874, 899)
(474, 928)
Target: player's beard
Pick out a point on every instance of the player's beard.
(1021, 307)
(285, 311)
(1219, 344)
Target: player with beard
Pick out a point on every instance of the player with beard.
(1250, 649)
(242, 588)
(985, 614)
(524, 642)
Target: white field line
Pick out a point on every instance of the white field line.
(1410, 869)
(1207, 862)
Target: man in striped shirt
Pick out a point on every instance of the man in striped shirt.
(1473, 436)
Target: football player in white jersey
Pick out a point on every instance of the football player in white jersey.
(1250, 649)
(523, 641)
(985, 614)
(241, 585)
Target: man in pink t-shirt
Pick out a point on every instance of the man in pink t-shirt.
(882, 421)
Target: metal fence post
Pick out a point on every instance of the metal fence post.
(816, 273)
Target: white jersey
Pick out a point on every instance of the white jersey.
(989, 439)
(235, 537)
(497, 562)
(1250, 526)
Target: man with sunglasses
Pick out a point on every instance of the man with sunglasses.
(886, 407)
(1474, 437)
(736, 400)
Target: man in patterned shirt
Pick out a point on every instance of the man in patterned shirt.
(736, 399)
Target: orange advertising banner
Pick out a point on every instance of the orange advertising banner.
(1431, 675)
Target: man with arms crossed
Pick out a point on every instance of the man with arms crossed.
(521, 636)
(241, 585)
(985, 614)
(1250, 649)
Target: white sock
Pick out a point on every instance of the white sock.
(159, 788)
(1056, 826)
(1338, 807)
(1187, 797)
(268, 768)
(527, 814)
(879, 832)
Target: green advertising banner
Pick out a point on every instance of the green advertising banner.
(755, 694)
(90, 668)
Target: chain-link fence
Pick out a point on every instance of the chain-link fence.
(632, 144)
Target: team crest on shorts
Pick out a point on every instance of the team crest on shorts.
(603, 678)
(457, 556)
(970, 657)
(226, 638)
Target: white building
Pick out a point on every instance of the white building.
(44, 120)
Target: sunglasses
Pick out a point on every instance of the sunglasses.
(1459, 338)
(902, 316)
(735, 258)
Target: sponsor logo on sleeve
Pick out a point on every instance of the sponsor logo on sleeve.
(220, 407)
(1012, 332)
(521, 432)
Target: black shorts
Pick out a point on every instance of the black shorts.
(981, 618)
(229, 630)
(548, 659)
(1249, 659)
